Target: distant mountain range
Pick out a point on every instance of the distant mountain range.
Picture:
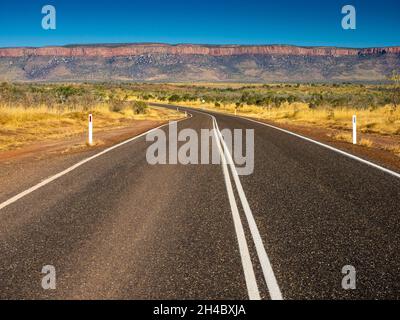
(186, 62)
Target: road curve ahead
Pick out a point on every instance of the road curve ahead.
(119, 227)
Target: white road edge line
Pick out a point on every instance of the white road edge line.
(349, 155)
(62, 173)
(269, 276)
(249, 275)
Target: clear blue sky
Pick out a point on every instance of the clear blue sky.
(300, 22)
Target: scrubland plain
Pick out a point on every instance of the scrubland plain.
(31, 112)
(324, 106)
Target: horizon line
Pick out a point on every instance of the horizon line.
(191, 44)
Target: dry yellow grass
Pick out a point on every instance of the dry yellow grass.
(382, 120)
(393, 149)
(20, 126)
(343, 137)
(347, 137)
(366, 143)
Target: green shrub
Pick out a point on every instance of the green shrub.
(139, 107)
(174, 98)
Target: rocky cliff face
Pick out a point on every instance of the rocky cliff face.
(140, 49)
(162, 62)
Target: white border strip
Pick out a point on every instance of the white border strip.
(77, 165)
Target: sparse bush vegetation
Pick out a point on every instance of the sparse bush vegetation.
(32, 112)
(174, 98)
(325, 105)
(395, 78)
(139, 107)
(116, 105)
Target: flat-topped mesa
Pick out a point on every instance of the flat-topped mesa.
(107, 51)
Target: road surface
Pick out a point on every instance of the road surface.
(118, 227)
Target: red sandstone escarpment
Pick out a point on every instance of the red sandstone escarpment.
(187, 49)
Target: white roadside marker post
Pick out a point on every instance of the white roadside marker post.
(354, 129)
(90, 129)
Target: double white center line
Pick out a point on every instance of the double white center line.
(269, 276)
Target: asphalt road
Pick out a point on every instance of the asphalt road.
(117, 227)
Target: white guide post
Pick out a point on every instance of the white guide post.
(354, 129)
(90, 140)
